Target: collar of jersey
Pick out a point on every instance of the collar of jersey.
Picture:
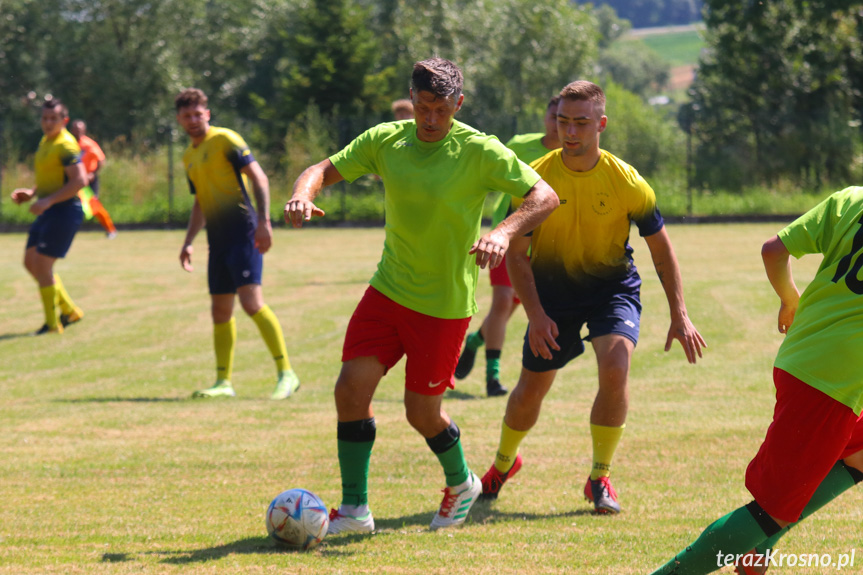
(432, 145)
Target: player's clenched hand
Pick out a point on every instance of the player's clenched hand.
(186, 257)
(38, 207)
(22, 195)
(542, 336)
(490, 249)
(786, 317)
(298, 211)
(683, 331)
(264, 236)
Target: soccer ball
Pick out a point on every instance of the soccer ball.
(298, 519)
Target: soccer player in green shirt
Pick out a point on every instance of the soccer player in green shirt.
(504, 301)
(59, 176)
(436, 173)
(220, 168)
(813, 449)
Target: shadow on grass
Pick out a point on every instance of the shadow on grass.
(122, 400)
(5, 336)
(251, 545)
(332, 546)
(484, 512)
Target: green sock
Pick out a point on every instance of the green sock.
(474, 340)
(838, 481)
(355, 442)
(447, 446)
(736, 533)
(492, 364)
(224, 338)
(271, 331)
(454, 465)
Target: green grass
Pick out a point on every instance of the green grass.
(677, 48)
(107, 466)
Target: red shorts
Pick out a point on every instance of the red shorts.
(386, 330)
(500, 277)
(810, 432)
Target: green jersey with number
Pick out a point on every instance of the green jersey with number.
(824, 345)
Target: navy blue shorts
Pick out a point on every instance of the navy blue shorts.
(620, 314)
(53, 231)
(234, 266)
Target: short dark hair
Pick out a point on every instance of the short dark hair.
(403, 105)
(53, 103)
(189, 98)
(553, 102)
(438, 76)
(582, 90)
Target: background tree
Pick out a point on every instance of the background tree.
(774, 93)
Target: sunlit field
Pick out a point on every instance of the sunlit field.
(108, 466)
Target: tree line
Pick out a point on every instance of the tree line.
(777, 94)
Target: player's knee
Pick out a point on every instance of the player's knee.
(854, 465)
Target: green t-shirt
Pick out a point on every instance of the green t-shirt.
(433, 201)
(528, 147)
(824, 345)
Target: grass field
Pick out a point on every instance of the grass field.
(108, 467)
(678, 45)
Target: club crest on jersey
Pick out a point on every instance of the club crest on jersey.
(601, 203)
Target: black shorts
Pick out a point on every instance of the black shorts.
(620, 314)
(233, 266)
(53, 231)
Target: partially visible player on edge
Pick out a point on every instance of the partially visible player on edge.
(403, 109)
(504, 301)
(436, 173)
(580, 271)
(813, 449)
(220, 166)
(59, 176)
(92, 157)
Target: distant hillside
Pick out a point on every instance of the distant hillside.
(647, 13)
(680, 46)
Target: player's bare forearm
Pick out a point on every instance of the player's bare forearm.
(538, 204)
(197, 221)
(260, 189)
(521, 275)
(668, 269)
(301, 208)
(777, 264)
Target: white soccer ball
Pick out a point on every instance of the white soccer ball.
(298, 519)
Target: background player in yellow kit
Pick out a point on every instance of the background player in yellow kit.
(59, 176)
(220, 167)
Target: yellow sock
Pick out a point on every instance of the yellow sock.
(605, 440)
(510, 439)
(66, 304)
(224, 337)
(271, 331)
(49, 303)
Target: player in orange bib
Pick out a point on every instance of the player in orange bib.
(93, 157)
